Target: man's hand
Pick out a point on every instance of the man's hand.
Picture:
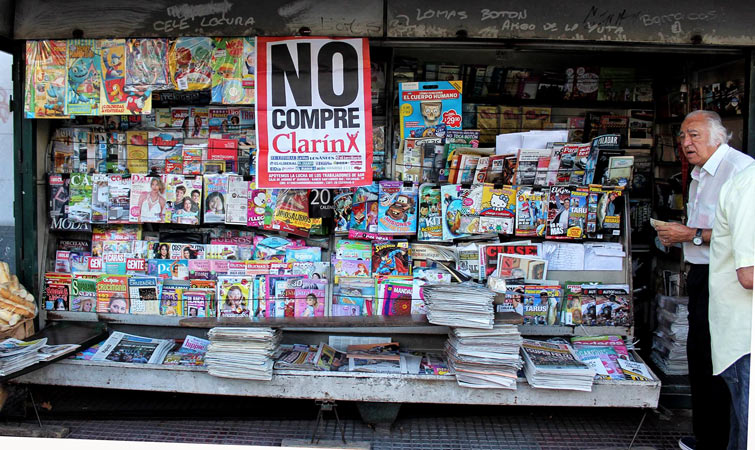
(745, 275)
(671, 233)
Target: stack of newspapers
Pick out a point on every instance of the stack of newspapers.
(550, 365)
(17, 355)
(670, 340)
(468, 305)
(485, 358)
(245, 353)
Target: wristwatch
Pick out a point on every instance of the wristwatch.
(698, 239)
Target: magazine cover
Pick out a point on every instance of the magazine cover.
(542, 304)
(79, 207)
(237, 207)
(84, 292)
(142, 292)
(343, 199)
(165, 151)
(291, 212)
(364, 208)
(471, 202)
(391, 258)
(191, 63)
(57, 291)
(309, 302)
(521, 268)
(84, 77)
(137, 151)
(226, 71)
(452, 208)
(233, 296)
(255, 206)
(397, 210)
(604, 212)
(397, 297)
(100, 198)
(45, 93)
(531, 212)
(187, 200)
(588, 303)
(112, 294)
(147, 199)
(215, 191)
(171, 300)
(192, 155)
(196, 303)
(59, 197)
(115, 97)
(577, 214)
(147, 64)
(559, 207)
(529, 161)
(497, 209)
(430, 227)
(248, 69)
(489, 255)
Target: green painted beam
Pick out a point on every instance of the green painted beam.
(25, 169)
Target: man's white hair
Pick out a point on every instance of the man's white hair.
(719, 135)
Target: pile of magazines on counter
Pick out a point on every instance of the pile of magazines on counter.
(670, 340)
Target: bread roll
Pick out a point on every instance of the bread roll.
(20, 307)
(9, 317)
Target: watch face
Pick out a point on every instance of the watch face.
(697, 240)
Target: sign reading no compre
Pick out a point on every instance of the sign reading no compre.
(314, 113)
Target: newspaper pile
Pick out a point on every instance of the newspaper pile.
(550, 365)
(670, 340)
(130, 348)
(245, 353)
(467, 304)
(17, 355)
(485, 358)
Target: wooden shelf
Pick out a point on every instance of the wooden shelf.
(366, 325)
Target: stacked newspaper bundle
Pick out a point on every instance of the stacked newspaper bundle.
(549, 365)
(670, 340)
(129, 348)
(485, 358)
(466, 304)
(245, 353)
(16, 355)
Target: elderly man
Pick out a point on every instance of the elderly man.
(732, 256)
(704, 143)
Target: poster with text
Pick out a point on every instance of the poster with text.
(314, 113)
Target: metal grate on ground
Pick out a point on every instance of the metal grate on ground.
(565, 430)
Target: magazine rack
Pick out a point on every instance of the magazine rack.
(413, 331)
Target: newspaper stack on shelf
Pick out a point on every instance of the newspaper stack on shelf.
(129, 348)
(245, 353)
(16, 355)
(670, 340)
(468, 305)
(485, 358)
(550, 365)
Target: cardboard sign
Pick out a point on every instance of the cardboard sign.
(314, 113)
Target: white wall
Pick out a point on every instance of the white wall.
(6, 142)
